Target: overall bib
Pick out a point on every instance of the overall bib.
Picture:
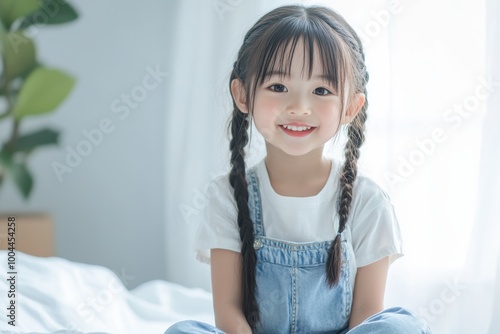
(292, 292)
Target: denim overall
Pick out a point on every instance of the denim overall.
(292, 292)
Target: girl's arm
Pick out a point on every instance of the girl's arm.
(369, 289)
(226, 290)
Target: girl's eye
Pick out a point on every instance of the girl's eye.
(321, 91)
(278, 88)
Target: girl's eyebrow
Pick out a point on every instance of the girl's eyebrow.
(283, 74)
(276, 73)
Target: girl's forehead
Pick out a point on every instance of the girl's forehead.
(297, 60)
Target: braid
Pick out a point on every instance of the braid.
(356, 137)
(237, 179)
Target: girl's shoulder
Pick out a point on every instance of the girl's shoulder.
(365, 187)
(220, 186)
(220, 189)
(369, 197)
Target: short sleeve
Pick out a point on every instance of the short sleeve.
(218, 228)
(374, 226)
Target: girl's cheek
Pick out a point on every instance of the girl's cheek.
(332, 109)
(269, 103)
(267, 110)
(266, 115)
(265, 126)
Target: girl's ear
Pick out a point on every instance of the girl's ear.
(239, 95)
(354, 108)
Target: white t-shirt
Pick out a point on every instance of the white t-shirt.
(372, 228)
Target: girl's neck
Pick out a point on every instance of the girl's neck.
(297, 176)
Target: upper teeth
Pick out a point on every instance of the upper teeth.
(296, 128)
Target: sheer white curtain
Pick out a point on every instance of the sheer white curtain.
(482, 270)
(206, 39)
(430, 141)
(490, 182)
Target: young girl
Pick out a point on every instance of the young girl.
(299, 243)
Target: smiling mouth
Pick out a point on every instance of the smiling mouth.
(297, 130)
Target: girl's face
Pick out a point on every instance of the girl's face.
(297, 114)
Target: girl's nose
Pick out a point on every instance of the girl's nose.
(298, 106)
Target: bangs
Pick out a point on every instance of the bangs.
(269, 47)
(281, 42)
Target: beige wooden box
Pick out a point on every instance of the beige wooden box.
(34, 233)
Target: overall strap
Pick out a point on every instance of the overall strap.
(254, 202)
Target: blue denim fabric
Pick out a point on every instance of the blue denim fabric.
(394, 320)
(291, 281)
(292, 292)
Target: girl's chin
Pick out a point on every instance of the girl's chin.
(296, 151)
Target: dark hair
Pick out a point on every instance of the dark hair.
(265, 48)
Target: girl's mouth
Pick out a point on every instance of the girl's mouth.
(297, 131)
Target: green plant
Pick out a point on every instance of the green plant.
(27, 87)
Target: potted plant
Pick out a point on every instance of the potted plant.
(28, 88)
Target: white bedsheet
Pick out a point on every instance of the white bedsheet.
(54, 294)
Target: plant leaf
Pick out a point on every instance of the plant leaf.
(19, 54)
(11, 10)
(18, 171)
(43, 91)
(51, 12)
(3, 31)
(27, 143)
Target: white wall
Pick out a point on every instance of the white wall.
(109, 209)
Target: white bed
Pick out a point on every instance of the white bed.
(54, 294)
